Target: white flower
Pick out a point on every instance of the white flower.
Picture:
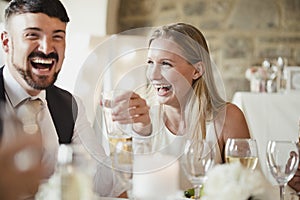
(233, 182)
(79, 182)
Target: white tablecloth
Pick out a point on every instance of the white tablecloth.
(270, 116)
(110, 198)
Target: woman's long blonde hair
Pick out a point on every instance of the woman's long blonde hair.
(206, 102)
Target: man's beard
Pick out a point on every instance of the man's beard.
(41, 84)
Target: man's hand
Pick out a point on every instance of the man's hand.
(295, 181)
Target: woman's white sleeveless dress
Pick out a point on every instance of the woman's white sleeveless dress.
(165, 142)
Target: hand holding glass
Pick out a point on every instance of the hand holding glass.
(282, 160)
(116, 101)
(116, 131)
(243, 151)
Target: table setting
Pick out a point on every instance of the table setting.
(156, 175)
(271, 76)
(234, 179)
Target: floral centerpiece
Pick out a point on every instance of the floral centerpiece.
(256, 72)
(234, 182)
(77, 186)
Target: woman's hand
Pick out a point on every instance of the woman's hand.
(130, 108)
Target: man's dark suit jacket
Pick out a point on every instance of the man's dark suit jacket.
(62, 106)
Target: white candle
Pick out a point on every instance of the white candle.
(155, 176)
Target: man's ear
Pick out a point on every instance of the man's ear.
(199, 70)
(4, 41)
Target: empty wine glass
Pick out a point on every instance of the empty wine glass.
(242, 150)
(197, 159)
(282, 160)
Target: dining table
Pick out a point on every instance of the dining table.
(270, 116)
(109, 198)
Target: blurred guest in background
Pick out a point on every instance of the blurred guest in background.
(16, 180)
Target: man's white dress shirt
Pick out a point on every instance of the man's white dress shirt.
(105, 180)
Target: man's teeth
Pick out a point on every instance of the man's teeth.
(43, 61)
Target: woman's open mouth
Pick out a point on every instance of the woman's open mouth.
(162, 89)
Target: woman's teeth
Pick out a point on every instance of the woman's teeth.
(161, 88)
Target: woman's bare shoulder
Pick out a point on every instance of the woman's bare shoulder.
(235, 122)
(233, 110)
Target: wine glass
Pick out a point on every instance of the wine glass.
(116, 100)
(197, 159)
(123, 163)
(282, 161)
(115, 131)
(243, 150)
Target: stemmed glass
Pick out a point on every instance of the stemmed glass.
(115, 131)
(197, 159)
(282, 160)
(119, 135)
(123, 163)
(242, 150)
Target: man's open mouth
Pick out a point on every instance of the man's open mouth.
(42, 64)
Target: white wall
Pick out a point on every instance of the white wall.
(87, 19)
(87, 16)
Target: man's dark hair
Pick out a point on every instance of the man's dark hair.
(52, 8)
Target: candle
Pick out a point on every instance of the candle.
(155, 176)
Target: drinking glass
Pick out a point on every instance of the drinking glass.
(123, 163)
(116, 100)
(242, 150)
(282, 161)
(119, 135)
(197, 159)
(116, 131)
